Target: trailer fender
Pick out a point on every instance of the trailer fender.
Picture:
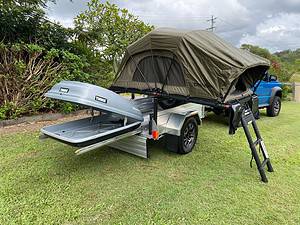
(176, 121)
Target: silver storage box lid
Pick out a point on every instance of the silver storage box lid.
(94, 96)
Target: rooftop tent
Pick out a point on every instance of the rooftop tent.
(189, 63)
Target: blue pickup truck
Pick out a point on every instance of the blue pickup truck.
(269, 94)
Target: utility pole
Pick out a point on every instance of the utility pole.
(212, 23)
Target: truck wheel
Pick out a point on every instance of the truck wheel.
(188, 136)
(274, 108)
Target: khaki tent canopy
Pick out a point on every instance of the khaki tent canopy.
(189, 63)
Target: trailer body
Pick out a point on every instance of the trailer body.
(127, 125)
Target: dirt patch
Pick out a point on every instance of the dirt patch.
(35, 126)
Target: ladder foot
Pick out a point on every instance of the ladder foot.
(270, 167)
(263, 176)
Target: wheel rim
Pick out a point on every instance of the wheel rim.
(189, 136)
(276, 107)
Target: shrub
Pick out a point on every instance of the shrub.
(27, 71)
(287, 90)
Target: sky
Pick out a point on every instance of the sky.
(272, 24)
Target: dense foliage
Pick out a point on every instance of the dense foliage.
(103, 32)
(25, 21)
(35, 53)
(27, 71)
(291, 59)
(283, 64)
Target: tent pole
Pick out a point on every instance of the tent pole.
(140, 72)
(153, 67)
(167, 75)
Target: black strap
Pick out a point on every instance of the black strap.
(251, 161)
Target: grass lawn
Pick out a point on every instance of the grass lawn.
(295, 77)
(45, 183)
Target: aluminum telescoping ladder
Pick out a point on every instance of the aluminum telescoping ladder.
(247, 119)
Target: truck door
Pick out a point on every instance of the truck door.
(264, 90)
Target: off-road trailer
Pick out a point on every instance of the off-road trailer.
(128, 125)
(122, 123)
(195, 68)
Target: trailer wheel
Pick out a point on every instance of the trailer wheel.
(188, 137)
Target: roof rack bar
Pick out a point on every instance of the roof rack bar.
(207, 102)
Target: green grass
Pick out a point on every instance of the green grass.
(45, 183)
(295, 77)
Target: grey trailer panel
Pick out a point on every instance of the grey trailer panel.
(136, 145)
(170, 121)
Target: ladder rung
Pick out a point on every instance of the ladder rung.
(257, 142)
(248, 118)
(264, 162)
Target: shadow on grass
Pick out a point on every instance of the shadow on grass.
(218, 120)
(222, 121)
(105, 158)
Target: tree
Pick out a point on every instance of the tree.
(35, 53)
(263, 52)
(27, 71)
(25, 21)
(25, 3)
(282, 69)
(104, 30)
(291, 59)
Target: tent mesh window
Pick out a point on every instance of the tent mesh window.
(159, 69)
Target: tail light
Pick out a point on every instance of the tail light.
(155, 134)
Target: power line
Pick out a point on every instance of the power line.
(225, 21)
(212, 23)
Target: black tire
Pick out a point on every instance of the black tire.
(256, 115)
(275, 107)
(188, 136)
(167, 103)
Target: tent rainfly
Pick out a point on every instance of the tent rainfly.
(188, 63)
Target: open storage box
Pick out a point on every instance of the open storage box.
(90, 130)
(117, 114)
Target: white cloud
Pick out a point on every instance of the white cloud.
(65, 10)
(66, 22)
(190, 14)
(277, 33)
(271, 23)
